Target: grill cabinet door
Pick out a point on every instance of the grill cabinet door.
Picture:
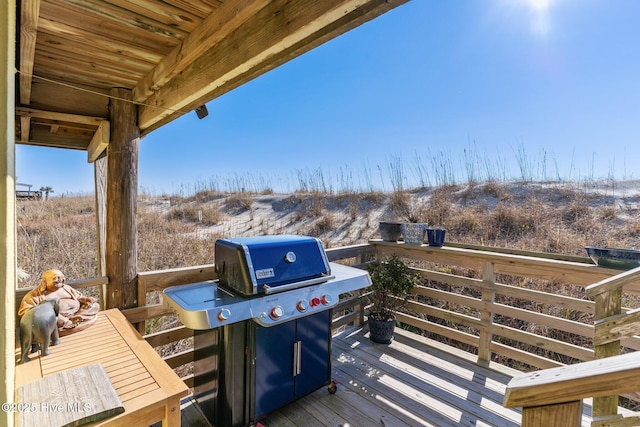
(314, 333)
(274, 366)
(276, 360)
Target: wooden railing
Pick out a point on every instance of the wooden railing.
(501, 318)
(502, 305)
(553, 397)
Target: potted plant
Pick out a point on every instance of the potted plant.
(391, 282)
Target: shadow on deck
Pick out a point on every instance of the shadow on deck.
(412, 382)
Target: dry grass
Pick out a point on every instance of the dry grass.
(60, 232)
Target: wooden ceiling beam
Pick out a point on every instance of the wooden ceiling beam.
(99, 142)
(59, 117)
(41, 136)
(277, 33)
(25, 126)
(210, 32)
(29, 13)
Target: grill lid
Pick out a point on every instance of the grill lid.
(261, 264)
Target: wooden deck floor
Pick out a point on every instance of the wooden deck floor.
(412, 382)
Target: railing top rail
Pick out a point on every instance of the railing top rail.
(578, 273)
(603, 377)
(613, 283)
(78, 284)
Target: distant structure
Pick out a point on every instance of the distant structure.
(27, 194)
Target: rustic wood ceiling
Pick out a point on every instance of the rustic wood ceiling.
(174, 55)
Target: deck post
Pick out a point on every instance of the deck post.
(488, 297)
(567, 414)
(100, 178)
(608, 304)
(7, 204)
(122, 194)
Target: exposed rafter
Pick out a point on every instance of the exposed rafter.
(30, 10)
(210, 32)
(62, 130)
(275, 34)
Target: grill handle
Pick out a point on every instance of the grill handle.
(273, 290)
(297, 358)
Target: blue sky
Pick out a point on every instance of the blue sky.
(507, 88)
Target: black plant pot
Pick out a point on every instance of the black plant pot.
(389, 231)
(381, 331)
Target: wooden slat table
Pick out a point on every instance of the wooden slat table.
(149, 389)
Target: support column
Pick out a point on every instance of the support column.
(607, 304)
(7, 206)
(486, 316)
(122, 194)
(100, 179)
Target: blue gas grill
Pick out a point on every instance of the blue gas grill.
(263, 330)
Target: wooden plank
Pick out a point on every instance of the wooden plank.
(58, 117)
(613, 375)
(179, 359)
(618, 281)
(25, 129)
(505, 331)
(545, 343)
(361, 252)
(435, 366)
(554, 322)
(447, 332)
(41, 136)
(614, 328)
(143, 313)
(618, 420)
(433, 382)
(99, 142)
(563, 301)
(29, 13)
(109, 46)
(486, 315)
(215, 28)
(161, 12)
(170, 335)
(161, 279)
(513, 251)
(277, 33)
(399, 410)
(517, 265)
(523, 356)
(113, 21)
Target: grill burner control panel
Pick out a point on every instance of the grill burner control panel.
(205, 306)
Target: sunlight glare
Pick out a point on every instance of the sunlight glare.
(539, 5)
(540, 24)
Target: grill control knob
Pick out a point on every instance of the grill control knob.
(290, 257)
(315, 302)
(276, 312)
(326, 299)
(302, 305)
(224, 314)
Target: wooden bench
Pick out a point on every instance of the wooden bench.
(148, 388)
